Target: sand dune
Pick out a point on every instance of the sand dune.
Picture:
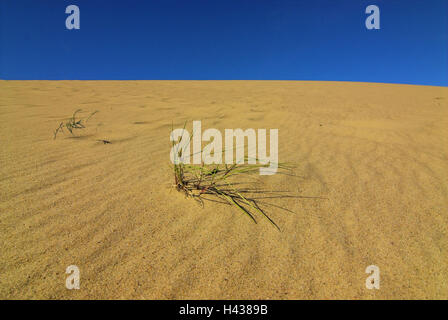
(376, 152)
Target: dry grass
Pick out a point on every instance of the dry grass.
(73, 123)
(233, 185)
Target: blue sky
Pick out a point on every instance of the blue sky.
(226, 39)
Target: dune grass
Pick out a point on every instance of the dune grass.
(236, 185)
(73, 123)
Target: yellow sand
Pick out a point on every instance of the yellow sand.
(378, 152)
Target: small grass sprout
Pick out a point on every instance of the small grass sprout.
(73, 123)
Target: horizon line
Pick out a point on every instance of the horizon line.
(278, 80)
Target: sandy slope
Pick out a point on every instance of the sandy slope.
(377, 152)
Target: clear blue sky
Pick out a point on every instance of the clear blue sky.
(226, 39)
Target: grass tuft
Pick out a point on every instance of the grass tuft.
(233, 185)
(73, 123)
